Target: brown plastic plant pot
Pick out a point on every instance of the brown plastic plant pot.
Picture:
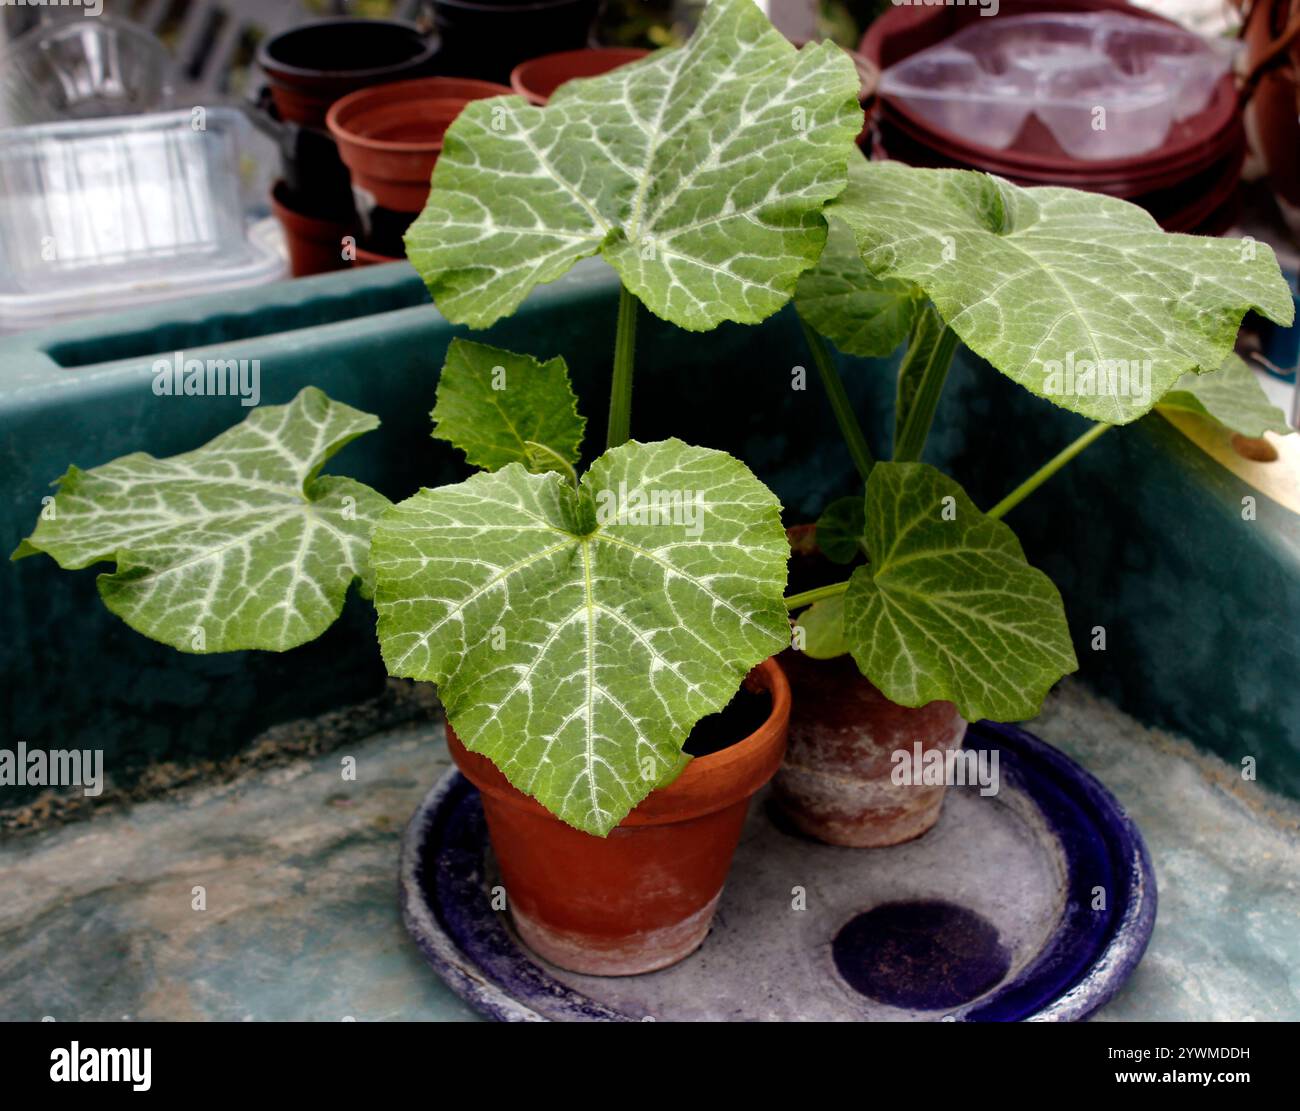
(362, 257)
(836, 783)
(538, 78)
(390, 137)
(643, 897)
(315, 245)
(312, 65)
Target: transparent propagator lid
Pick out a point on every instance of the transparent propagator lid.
(102, 214)
(985, 81)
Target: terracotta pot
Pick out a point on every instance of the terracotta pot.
(643, 897)
(390, 137)
(312, 65)
(836, 781)
(538, 78)
(315, 244)
(488, 38)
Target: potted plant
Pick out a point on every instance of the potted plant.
(581, 629)
(585, 629)
(1084, 301)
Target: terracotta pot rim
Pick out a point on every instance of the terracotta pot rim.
(305, 77)
(732, 769)
(525, 71)
(337, 119)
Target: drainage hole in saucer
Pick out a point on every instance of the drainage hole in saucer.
(921, 956)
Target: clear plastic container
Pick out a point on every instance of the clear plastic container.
(82, 69)
(1107, 85)
(100, 214)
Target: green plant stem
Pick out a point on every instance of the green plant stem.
(850, 429)
(910, 441)
(1035, 480)
(620, 391)
(808, 597)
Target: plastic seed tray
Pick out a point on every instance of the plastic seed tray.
(986, 81)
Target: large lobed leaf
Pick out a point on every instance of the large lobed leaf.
(698, 173)
(860, 313)
(1230, 395)
(235, 545)
(573, 649)
(948, 608)
(1028, 278)
(499, 407)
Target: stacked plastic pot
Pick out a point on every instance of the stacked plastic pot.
(359, 109)
(1091, 94)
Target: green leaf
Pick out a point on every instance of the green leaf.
(1045, 282)
(235, 545)
(1231, 395)
(698, 173)
(499, 408)
(840, 529)
(823, 628)
(948, 608)
(861, 314)
(575, 646)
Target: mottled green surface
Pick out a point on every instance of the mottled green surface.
(300, 871)
(575, 642)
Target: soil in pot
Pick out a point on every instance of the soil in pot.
(315, 243)
(390, 137)
(643, 897)
(311, 66)
(537, 78)
(836, 781)
(482, 38)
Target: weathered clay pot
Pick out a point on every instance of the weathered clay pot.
(836, 783)
(643, 897)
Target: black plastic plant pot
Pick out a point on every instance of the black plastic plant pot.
(311, 66)
(482, 38)
(312, 175)
(382, 230)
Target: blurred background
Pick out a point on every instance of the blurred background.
(151, 149)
